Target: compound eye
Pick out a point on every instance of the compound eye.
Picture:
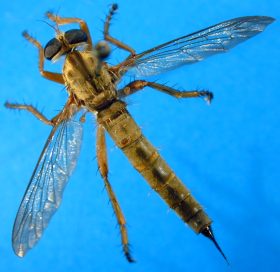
(75, 36)
(52, 48)
(103, 49)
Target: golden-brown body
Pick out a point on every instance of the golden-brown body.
(91, 82)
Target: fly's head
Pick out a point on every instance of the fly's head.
(65, 42)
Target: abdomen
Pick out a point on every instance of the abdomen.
(148, 162)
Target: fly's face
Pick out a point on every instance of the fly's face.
(64, 43)
(67, 41)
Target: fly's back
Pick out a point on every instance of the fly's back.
(88, 79)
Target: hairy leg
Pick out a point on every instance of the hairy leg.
(31, 109)
(103, 169)
(64, 21)
(109, 38)
(48, 75)
(138, 85)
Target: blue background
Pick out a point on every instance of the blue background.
(226, 153)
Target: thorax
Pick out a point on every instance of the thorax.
(88, 79)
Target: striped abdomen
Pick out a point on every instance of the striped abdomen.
(146, 159)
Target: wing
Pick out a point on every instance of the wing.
(196, 46)
(44, 192)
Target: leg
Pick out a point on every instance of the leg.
(31, 109)
(137, 85)
(63, 21)
(109, 38)
(48, 75)
(103, 168)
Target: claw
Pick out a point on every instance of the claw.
(208, 96)
(127, 254)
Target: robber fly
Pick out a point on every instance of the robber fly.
(91, 84)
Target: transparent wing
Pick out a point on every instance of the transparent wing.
(44, 193)
(196, 46)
